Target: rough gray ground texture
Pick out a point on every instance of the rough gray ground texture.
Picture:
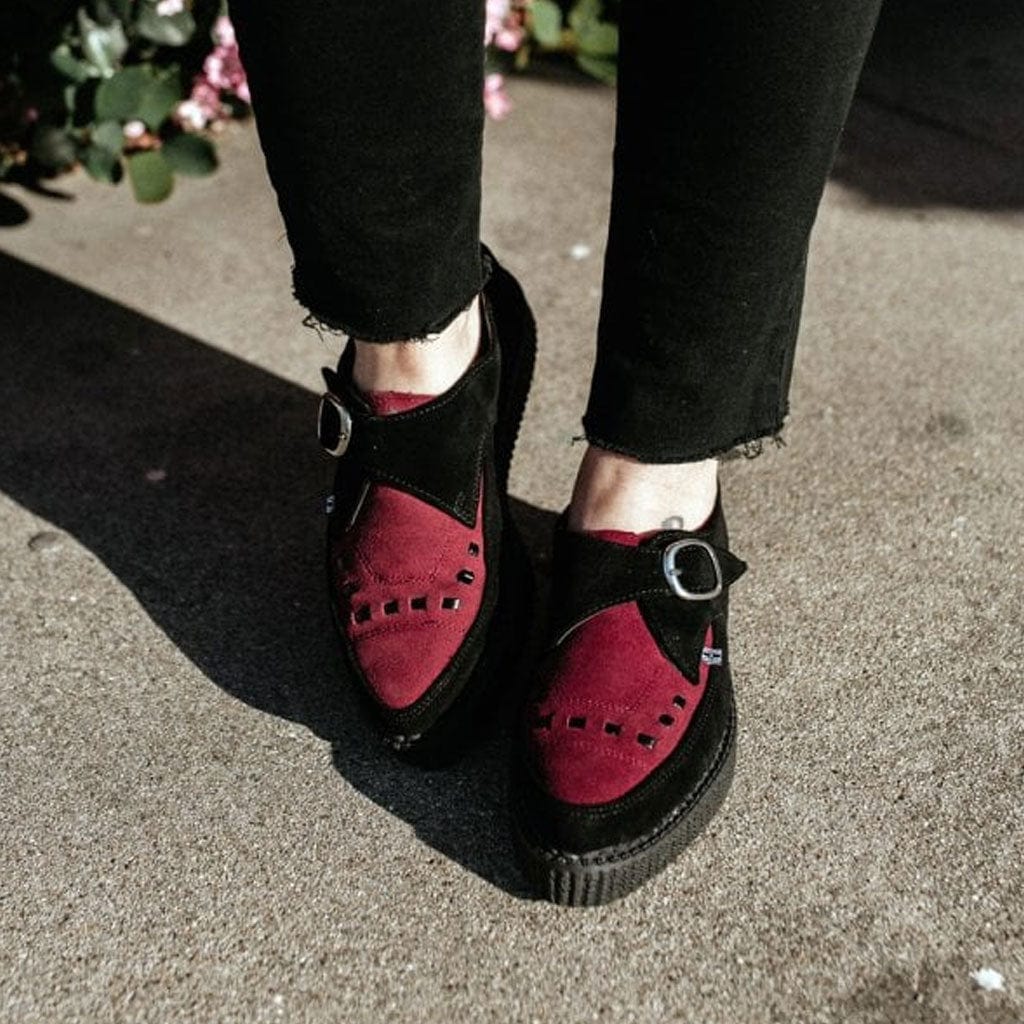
(194, 823)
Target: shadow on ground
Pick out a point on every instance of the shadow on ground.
(12, 213)
(195, 478)
(931, 993)
(939, 112)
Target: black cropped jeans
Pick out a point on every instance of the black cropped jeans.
(729, 112)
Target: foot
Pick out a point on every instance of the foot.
(418, 520)
(626, 745)
(420, 367)
(615, 492)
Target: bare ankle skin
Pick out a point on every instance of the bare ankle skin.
(420, 367)
(615, 492)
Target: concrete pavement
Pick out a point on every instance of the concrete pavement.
(194, 823)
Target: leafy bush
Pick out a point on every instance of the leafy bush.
(134, 88)
(518, 30)
(120, 87)
(586, 29)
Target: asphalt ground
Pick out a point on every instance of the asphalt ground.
(196, 825)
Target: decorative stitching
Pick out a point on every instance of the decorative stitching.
(405, 627)
(582, 746)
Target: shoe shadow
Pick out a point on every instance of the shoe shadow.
(939, 112)
(12, 213)
(194, 477)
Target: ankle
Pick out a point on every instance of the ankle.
(420, 367)
(615, 492)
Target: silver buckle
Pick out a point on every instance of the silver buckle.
(672, 571)
(334, 425)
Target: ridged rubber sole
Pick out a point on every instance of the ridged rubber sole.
(601, 876)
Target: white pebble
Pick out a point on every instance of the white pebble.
(988, 979)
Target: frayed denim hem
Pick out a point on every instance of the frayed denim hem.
(328, 325)
(323, 322)
(748, 446)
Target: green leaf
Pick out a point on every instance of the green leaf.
(102, 45)
(583, 13)
(123, 9)
(108, 135)
(598, 39)
(161, 96)
(102, 164)
(119, 97)
(64, 61)
(139, 93)
(53, 147)
(165, 29)
(70, 95)
(599, 67)
(190, 154)
(106, 11)
(150, 175)
(546, 21)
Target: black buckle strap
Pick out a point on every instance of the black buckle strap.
(592, 574)
(435, 450)
(674, 572)
(333, 425)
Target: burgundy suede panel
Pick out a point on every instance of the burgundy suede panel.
(397, 568)
(384, 403)
(609, 691)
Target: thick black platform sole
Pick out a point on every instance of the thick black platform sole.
(500, 667)
(601, 876)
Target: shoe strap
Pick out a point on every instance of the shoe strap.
(434, 451)
(692, 568)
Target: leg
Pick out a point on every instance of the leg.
(729, 115)
(374, 148)
(371, 118)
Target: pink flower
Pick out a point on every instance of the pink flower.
(222, 74)
(203, 106)
(134, 130)
(222, 68)
(497, 12)
(509, 38)
(224, 31)
(503, 26)
(496, 101)
(191, 116)
(213, 66)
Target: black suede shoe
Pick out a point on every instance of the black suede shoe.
(429, 581)
(626, 749)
